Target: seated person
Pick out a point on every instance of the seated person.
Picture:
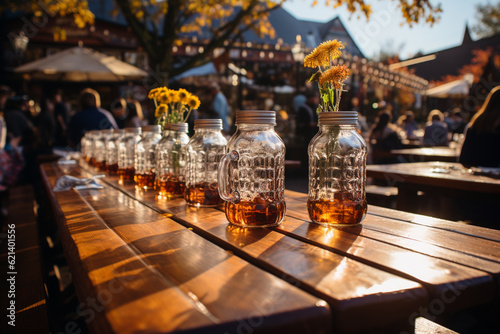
(436, 130)
(458, 123)
(410, 125)
(383, 139)
(482, 136)
(88, 118)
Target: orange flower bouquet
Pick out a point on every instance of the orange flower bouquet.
(330, 77)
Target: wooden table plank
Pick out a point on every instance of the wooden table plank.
(445, 238)
(444, 244)
(434, 273)
(436, 223)
(434, 174)
(136, 285)
(29, 294)
(481, 248)
(207, 286)
(421, 154)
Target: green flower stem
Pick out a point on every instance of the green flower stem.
(330, 146)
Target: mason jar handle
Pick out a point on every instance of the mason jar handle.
(223, 178)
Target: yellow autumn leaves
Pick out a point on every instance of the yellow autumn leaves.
(79, 9)
(172, 104)
(330, 77)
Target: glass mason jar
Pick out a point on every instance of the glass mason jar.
(251, 174)
(203, 154)
(112, 151)
(337, 171)
(171, 160)
(126, 153)
(145, 161)
(99, 148)
(84, 146)
(87, 146)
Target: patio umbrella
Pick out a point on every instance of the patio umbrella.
(454, 89)
(80, 64)
(207, 69)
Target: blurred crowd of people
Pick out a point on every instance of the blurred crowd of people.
(477, 140)
(29, 130)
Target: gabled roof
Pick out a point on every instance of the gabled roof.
(450, 61)
(313, 33)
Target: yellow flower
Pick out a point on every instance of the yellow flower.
(161, 109)
(183, 96)
(331, 48)
(316, 58)
(153, 93)
(173, 96)
(337, 75)
(163, 98)
(193, 102)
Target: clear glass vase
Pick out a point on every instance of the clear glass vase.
(337, 171)
(251, 174)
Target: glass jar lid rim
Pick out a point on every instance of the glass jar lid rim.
(177, 127)
(132, 130)
(151, 128)
(208, 124)
(256, 117)
(338, 118)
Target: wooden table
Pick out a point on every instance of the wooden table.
(422, 154)
(440, 181)
(411, 143)
(162, 266)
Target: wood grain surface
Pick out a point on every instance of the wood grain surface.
(382, 272)
(155, 275)
(422, 154)
(446, 175)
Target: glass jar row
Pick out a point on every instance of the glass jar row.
(247, 172)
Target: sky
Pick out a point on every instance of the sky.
(383, 30)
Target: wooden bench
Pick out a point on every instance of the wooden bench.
(30, 298)
(381, 195)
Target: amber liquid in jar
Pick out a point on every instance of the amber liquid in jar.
(100, 165)
(255, 214)
(203, 194)
(337, 212)
(172, 186)
(126, 173)
(146, 181)
(112, 169)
